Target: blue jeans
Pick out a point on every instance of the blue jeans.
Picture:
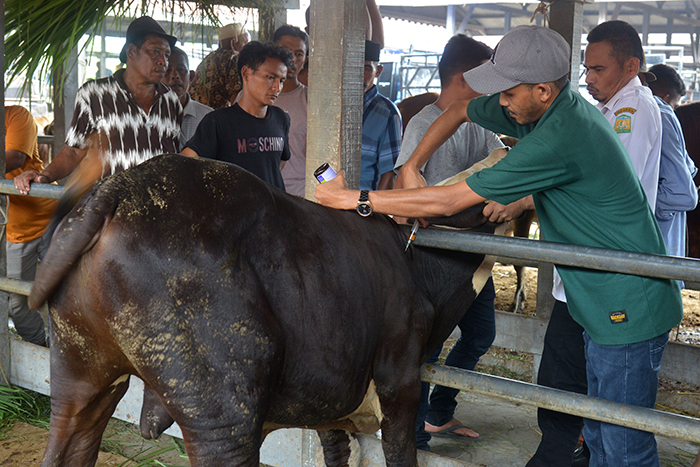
(478, 327)
(627, 374)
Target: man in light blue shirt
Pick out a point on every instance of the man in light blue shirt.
(677, 193)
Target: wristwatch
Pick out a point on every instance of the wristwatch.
(364, 208)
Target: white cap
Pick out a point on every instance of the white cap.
(230, 31)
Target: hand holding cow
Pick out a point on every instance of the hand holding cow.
(498, 213)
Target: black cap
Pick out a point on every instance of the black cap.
(371, 51)
(141, 27)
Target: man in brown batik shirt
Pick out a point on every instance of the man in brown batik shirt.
(133, 115)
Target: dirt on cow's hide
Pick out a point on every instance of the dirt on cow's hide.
(504, 278)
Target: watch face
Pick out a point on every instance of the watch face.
(364, 209)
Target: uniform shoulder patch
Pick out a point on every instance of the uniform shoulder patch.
(629, 110)
(623, 124)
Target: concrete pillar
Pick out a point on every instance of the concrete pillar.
(4, 331)
(64, 99)
(602, 13)
(334, 131)
(645, 28)
(566, 17)
(450, 20)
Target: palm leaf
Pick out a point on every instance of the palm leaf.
(40, 34)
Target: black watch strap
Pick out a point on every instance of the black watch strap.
(364, 196)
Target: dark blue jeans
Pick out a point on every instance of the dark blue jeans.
(563, 366)
(627, 374)
(478, 327)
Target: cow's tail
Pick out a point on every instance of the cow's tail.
(68, 243)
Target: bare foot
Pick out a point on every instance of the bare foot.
(461, 431)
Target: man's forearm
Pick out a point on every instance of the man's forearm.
(417, 202)
(14, 159)
(425, 202)
(64, 163)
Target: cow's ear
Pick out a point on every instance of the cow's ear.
(468, 219)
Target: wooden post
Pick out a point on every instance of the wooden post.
(64, 99)
(4, 309)
(566, 17)
(334, 129)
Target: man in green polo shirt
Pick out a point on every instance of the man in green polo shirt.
(586, 193)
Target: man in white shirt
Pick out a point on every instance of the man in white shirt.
(293, 99)
(178, 77)
(613, 58)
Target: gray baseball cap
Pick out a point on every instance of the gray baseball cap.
(527, 54)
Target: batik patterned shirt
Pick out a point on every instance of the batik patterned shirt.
(125, 133)
(216, 79)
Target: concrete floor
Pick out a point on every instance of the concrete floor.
(509, 436)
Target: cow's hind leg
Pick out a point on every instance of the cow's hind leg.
(520, 296)
(521, 228)
(340, 448)
(79, 414)
(399, 390)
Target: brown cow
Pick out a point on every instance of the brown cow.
(243, 310)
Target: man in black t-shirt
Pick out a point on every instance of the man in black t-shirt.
(252, 133)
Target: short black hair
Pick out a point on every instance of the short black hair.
(667, 81)
(178, 51)
(461, 54)
(623, 39)
(255, 53)
(289, 30)
(558, 83)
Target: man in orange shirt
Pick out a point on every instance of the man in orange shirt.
(27, 219)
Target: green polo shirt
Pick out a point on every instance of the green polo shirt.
(586, 193)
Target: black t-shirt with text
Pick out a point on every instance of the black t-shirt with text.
(256, 144)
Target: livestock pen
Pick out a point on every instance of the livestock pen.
(29, 367)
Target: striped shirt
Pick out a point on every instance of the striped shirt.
(128, 136)
(381, 138)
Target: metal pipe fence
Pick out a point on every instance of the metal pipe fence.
(641, 264)
(676, 426)
(662, 423)
(38, 190)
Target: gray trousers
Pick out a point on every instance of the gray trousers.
(22, 259)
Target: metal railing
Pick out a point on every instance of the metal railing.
(640, 418)
(38, 190)
(601, 259)
(676, 426)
